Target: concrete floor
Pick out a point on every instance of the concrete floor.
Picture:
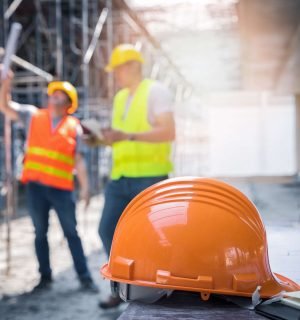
(279, 206)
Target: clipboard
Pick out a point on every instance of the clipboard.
(92, 127)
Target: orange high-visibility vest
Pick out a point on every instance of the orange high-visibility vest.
(50, 154)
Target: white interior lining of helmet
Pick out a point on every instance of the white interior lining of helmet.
(129, 292)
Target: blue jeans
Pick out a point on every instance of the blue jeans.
(41, 199)
(118, 194)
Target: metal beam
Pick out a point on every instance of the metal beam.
(29, 79)
(110, 43)
(85, 67)
(89, 53)
(12, 8)
(28, 66)
(59, 50)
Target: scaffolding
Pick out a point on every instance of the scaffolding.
(71, 40)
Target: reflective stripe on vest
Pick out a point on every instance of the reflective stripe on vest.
(50, 154)
(52, 171)
(134, 158)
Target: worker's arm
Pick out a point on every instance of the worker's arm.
(160, 116)
(83, 179)
(7, 107)
(163, 130)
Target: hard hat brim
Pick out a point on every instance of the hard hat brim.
(225, 211)
(59, 86)
(110, 68)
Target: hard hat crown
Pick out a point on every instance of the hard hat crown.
(122, 54)
(69, 89)
(194, 234)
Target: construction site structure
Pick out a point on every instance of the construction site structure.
(71, 40)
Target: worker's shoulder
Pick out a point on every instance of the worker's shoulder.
(38, 114)
(159, 92)
(155, 85)
(73, 121)
(159, 88)
(121, 93)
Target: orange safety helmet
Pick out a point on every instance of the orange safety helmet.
(67, 88)
(193, 234)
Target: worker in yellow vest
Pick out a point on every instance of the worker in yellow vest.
(52, 154)
(141, 135)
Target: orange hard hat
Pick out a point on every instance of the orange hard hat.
(194, 234)
(67, 88)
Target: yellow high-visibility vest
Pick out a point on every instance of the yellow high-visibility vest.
(133, 158)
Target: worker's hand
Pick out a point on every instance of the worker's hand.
(91, 140)
(6, 82)
(112, 135)
(85, 197)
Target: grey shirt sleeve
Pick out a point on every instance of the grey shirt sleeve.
(25, 113)
(160, 100)
(81, 147)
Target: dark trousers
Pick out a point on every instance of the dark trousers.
(118, 194)
(41, 199)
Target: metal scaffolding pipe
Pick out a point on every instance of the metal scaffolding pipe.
(12, 8)
(110, 43)
(43, 23)
(29, 79)
(58, 27)
(85, 67)
(28, 66)
(73, 46)
(8, 189)
(96, 35)
(155, 71)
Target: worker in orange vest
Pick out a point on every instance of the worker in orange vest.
(52, 154)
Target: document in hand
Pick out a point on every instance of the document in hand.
(92, 127)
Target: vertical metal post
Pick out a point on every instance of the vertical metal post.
(59, 52)
(110, 43)
(85, 66)
(264, 102)
(297, 120)
(8, 173)
(9, 190)
(95, 71)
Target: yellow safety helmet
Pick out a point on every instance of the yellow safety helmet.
(121, 54)
(69, 89)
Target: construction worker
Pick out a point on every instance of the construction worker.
(141, 135)
(52, 153)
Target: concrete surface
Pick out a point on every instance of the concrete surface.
(64, 301)
(279, 205)
(188, 306)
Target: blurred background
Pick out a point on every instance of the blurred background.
(233, 67)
